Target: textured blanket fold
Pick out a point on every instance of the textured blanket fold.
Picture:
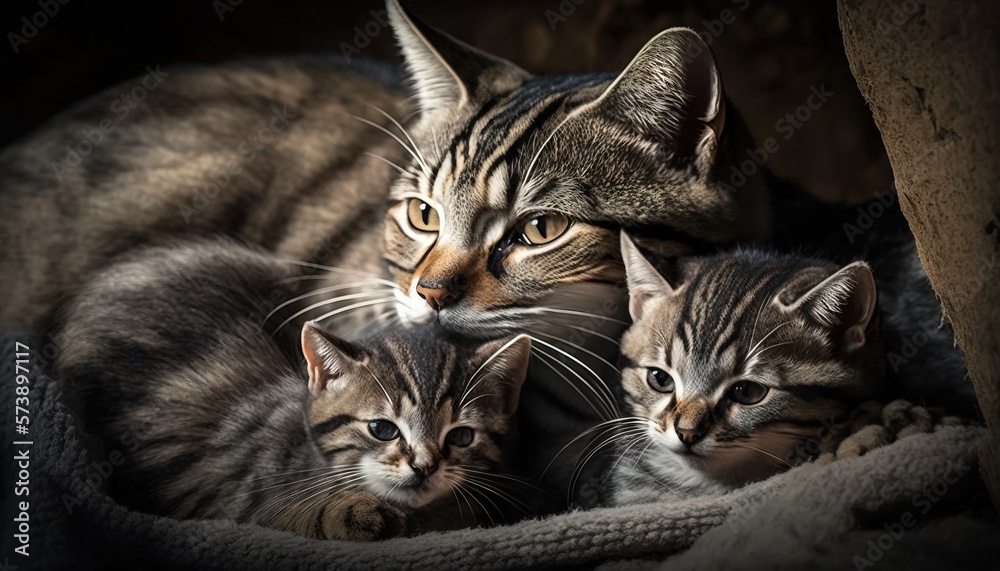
(801, 517)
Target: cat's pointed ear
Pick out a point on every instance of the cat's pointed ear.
(328, 358)
(845, 303)
(672, 92)
(644, 283)
(505, 361)
(446, 72)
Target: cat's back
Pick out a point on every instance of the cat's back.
(270, 150)
(173, 315)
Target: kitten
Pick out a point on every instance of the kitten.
(735, 360)
(215, 419)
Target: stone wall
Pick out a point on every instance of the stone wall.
(930, 71)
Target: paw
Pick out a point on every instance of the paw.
(362, 517)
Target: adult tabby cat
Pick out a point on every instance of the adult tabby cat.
(166, 355)
(734, 361)
(503, 215)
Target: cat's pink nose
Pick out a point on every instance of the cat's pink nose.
(689, 435)
(438, 294)
(424, 467)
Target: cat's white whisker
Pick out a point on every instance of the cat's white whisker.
(608, 396)
(386, 161)
(412, 152)
(336, 270)
(625, 421)
(550, 362)
(579, 314)
(580, 465)
(580, 348)
(413, 144)
(332, 313)
(320, 291)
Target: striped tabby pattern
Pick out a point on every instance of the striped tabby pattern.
(166, 355)
(734, 361)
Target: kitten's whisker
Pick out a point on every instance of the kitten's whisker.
(578, 469)
(635, 441)
(607, 398)
(752, 352)
(489, 487)
(624, 421)
(474, 490)
(290, 497)
(760, 352)
(606, 413)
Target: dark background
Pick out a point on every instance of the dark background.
(771, 54)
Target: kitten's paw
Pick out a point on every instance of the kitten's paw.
(903, 418)
(863, 440)
(363, 517)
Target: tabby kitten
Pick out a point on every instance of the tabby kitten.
(733, 361)
(166, 355)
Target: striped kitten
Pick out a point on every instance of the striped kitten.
(735, 360)
(214, 420)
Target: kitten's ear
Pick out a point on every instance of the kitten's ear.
(644, 283)
(844, 303)
(507, 361)
(328, 358)
(446, 71)
(672, 92)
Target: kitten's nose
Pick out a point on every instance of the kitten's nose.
(424, 467)
(689, 435)
(438, 294)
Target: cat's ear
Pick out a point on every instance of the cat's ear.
(844, 303)
(505, 361)
(672, 92)
(328, 358)
(446, 72)
(644, 283)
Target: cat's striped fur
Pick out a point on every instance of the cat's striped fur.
(734, 361)
(165, 353)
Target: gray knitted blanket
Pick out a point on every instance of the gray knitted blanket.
(913, 500)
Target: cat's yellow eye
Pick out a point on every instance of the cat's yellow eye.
(544, 228)
(422, 216)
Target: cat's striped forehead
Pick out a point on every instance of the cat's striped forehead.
(723, 313)
(486, 159)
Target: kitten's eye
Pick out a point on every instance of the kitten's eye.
(544, 228)
(422, 216)
(383, 430)
(748, 392)
(660, 381)
(461, 436)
